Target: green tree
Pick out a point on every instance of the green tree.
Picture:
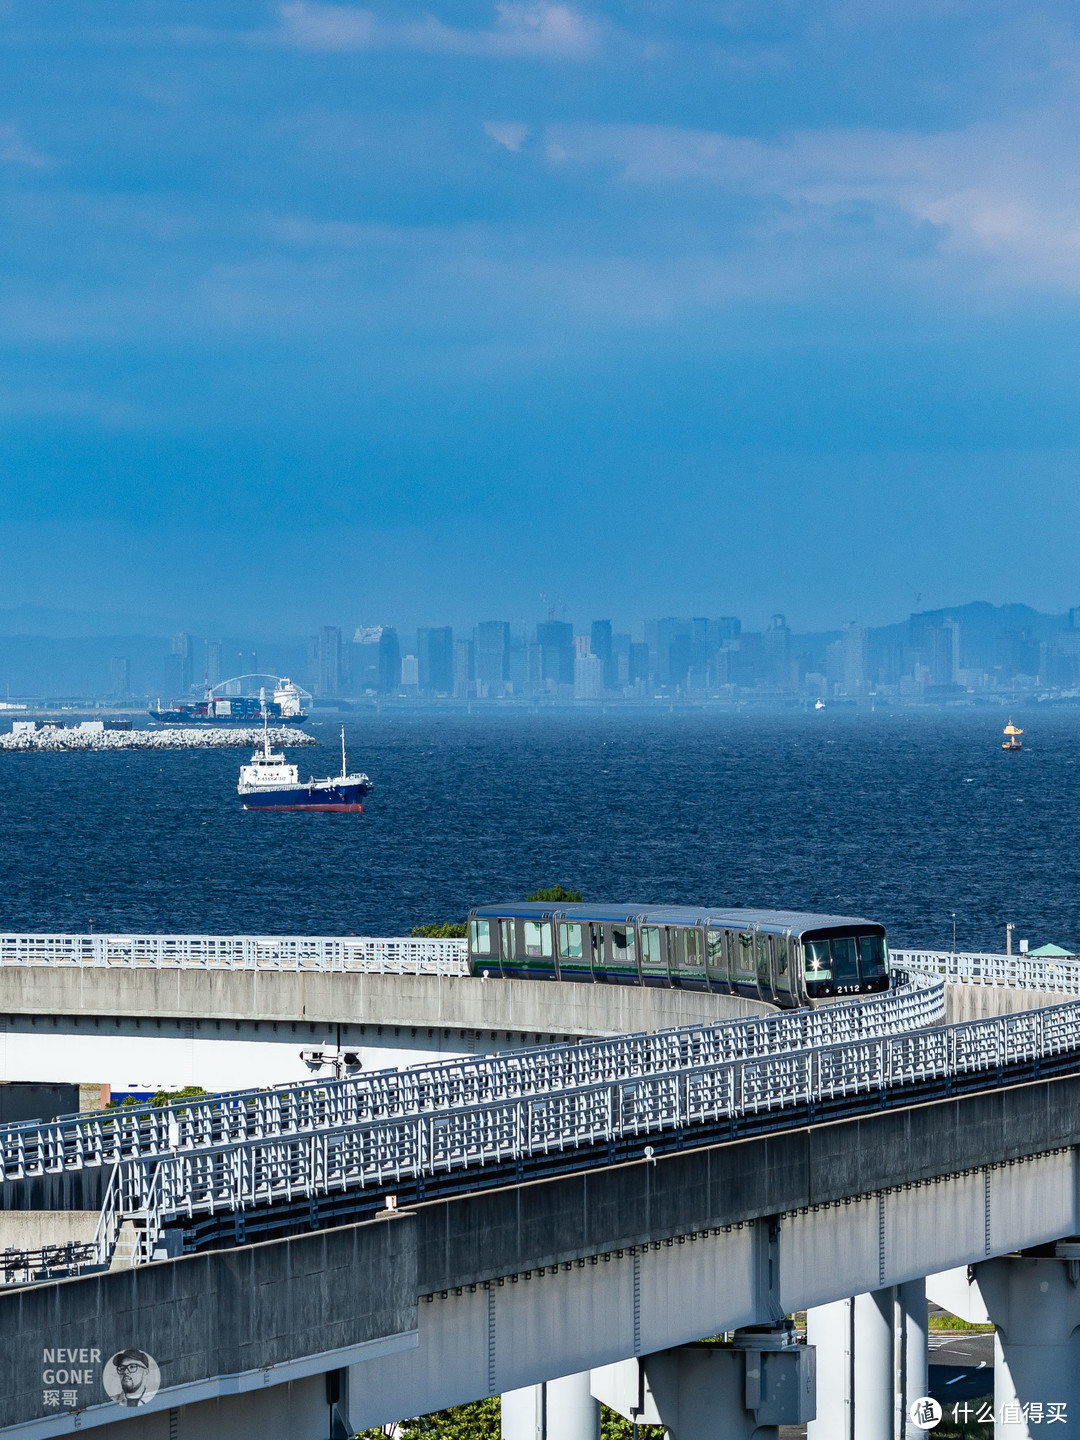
(479, 1420)
(555, 894)
(616, 1427)
(169, 1097)
(448, 930)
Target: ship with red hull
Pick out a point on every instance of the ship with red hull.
(270, 782)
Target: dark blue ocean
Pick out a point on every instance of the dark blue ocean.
(904, 818)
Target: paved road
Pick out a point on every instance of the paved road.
(961, 1365)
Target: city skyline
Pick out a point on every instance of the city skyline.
(963, 651)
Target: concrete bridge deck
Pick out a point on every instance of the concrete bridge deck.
(484, 1293)
(845, 1173)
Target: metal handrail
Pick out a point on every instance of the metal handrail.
(1022, 972)
(378, 1153)
(78, 1142)
(389, 955)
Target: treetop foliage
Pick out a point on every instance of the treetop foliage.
(553, 894)
(448, 930)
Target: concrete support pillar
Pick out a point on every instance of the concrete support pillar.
(856, 1392)
(914, 1352)
(875, 1365)
(1035, 1304)
(830, 1329)
(572, 1413)
(562, 1409)
(523, 1414)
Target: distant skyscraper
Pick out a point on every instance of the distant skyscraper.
(588, 674)
(410, 674)
(178, 673)
(364, 659)
(120, 676)
(329, 678)
(213, 662)
(435, 653)
(777, 641)
(603, 649)
(638, 663)
(856, 643)
(491, 658)
(939, 652)
(463, 669)
(556, 641)
(389, 662)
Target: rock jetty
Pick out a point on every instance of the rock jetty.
(92, 735)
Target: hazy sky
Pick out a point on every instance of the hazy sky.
(316, 313)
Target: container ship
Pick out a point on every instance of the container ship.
(285, 708)
(269, 782)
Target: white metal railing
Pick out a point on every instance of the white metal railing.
(382, 1151)
(112, 1136)
(1022, 972)
(393, 955)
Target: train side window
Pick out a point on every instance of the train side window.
(817, 960)
(537, 938)
(570, 942)
(845, 960)
(506, 936)
(692, 949)
(652, 957)
(744, 962)
(781, 954)
(715, 942)
(480, 937)
(763, 959)
(621, 939)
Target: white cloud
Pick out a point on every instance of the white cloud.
(1005, 193)
(540, 30)
(508, 133)
(16, 151)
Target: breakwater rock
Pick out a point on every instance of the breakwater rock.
(92, 736)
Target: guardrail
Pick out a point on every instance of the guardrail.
(1023, 972)
(529, 1130)
(25, 1267)
(393, 955)
(112, 1136)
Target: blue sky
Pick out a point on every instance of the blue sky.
(316, 312)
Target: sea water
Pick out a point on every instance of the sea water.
(905, 818)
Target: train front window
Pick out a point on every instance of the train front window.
(480, 937)
(537, 938)
(845, 960)
(873, 957)
(570, 942)
(817, 959)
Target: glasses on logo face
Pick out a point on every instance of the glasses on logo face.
(132, 1367)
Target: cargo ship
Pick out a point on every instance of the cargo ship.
(285, 708)
(270, 782)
